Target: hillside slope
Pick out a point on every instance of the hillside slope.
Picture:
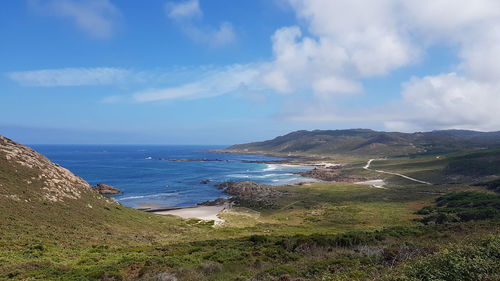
(374, 143)
(40, 200)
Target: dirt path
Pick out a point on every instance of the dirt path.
(367, 167)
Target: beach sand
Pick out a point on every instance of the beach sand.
(373, 183)
(200, 212)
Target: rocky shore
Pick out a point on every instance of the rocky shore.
(251, 193)
(106, 189)
(329, 174)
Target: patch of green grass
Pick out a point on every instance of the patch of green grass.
(462, 206)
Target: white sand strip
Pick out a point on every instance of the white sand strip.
(206, 213)
(373, 183)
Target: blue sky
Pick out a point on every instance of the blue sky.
(223, 71)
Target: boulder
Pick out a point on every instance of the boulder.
(106, 189)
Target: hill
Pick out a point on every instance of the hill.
(367, 142)
(38, 196)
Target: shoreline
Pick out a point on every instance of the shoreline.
(208, 213)
(205, 213)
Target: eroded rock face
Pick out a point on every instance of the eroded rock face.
(106, 189)
(58, 183)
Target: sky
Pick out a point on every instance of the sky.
(225, 71)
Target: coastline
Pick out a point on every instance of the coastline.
(206, 213)
(212, 212)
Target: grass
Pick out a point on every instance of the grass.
(322, 231)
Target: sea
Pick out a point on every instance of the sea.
(147, 180)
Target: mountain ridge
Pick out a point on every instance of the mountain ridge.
(371, 142)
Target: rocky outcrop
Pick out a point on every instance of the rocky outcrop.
(106, 189)
(248, 193)
(248, 188)
(216, 202)
(329, 175)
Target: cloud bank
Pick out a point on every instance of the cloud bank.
(350, 40)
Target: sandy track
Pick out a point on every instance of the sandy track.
(367, 167)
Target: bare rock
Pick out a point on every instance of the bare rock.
(327, 174)
(216, 202)
(248, 188)
(106, 189)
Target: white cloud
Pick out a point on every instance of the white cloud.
(214, 84)
(342, 42)
(346, 41)
(187, 14)
(449, 101)
(183, 10)
(98, 18)
(70, 76)
(349, 40)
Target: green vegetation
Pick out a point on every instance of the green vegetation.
(364, 143)
(480, 163)
(322, 231)
(463, 206)
(493, 185)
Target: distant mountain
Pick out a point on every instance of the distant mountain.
(369, 142)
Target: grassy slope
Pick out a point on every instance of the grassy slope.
(302, 237)
(362, 142)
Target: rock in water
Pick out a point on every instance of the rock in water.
(106, 189)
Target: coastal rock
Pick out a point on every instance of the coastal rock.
(106, 189)
(246, 189)
(251, 194)
(216, 202)
(327, 174)
(205, 181)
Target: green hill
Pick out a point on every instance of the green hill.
(372, 143)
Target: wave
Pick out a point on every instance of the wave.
(277, 175)
(147, 196)
(238, 176)
(270, 167)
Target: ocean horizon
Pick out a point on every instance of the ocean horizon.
(146, 179)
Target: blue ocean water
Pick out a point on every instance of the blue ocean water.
(144, 179)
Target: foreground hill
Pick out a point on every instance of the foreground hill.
(372, 143)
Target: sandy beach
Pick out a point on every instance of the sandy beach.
(373, 183)
(199, 212)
